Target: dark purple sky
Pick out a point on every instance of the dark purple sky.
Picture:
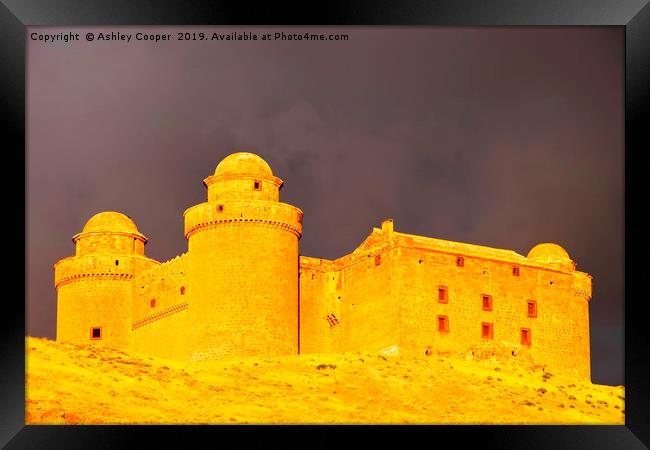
(505, 137)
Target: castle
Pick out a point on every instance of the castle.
(243, 289)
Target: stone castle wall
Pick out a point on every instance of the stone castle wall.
(159, 311)
(388, 297)
(557, 332)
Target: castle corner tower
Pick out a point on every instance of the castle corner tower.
(243, 264)
(94, 286)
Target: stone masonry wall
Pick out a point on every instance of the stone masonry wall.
(388, 295)
(557, 331)
(317, 294)
(160, 302)
(351, 306)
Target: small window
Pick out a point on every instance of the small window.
(219, 208)
(182, 290)
(443, 296)
(377, 260)
(443, 324)
(515, 271)
(525, 337)
(153, 302)
(96, 333)
(487, 302)
(117, 262)
(460, 261)
(257, 185)
(487, 330)
(532, 308)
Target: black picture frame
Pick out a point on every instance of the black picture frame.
(633, 15)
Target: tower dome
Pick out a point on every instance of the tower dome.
(243, 176)
(110, 232)
(243, 163)
(110, 221)
(548, 253)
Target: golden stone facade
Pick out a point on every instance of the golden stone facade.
(242, 289)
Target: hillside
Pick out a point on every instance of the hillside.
(73, 384)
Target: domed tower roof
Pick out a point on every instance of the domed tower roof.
(243, 176)
(110, 221)
(549, 253)
(243, 163)
(109, 232)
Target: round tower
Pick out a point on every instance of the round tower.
(243, 263)
(94, 286)
(579, 288)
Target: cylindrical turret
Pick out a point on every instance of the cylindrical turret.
(556, 258)
(243, 263)
(94, 286)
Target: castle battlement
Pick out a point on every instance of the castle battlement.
(243, 289)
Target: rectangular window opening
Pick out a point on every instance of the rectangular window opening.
(532, 308)
(526, 337)
(515, 271)
(377, 260)
(460, 261)
(96, 333)
(117, 262)
(153, 302)
(219, 208)
(257, 185)
(443, 324)
(487, 330)
(487, 303)
(443, 296)
(182, 290)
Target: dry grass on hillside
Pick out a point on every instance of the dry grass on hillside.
(75, 384)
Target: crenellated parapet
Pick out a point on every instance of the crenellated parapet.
(259, 213)
(171, 270)
(316, 264)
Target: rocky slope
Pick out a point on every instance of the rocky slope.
(90, 384)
